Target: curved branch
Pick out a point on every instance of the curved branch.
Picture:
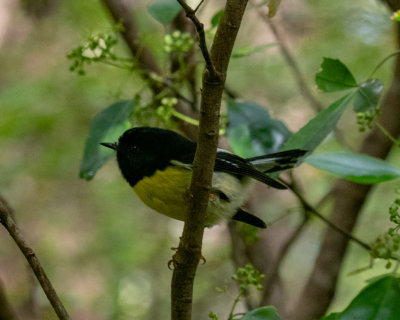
(8, 222)
(309, 208)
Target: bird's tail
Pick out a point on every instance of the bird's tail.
(244, 216)
(277, 161)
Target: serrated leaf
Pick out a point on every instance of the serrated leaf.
(249, 50)
(368, 94)
(318, 128)
(251, 131)
(334, 76)
(262, 313)
(359, 168)
(216, 18)
(107, 126)
(378, 300)
(164, 11)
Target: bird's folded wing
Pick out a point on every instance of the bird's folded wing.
(231, 163)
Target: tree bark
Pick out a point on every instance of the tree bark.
(214, 75)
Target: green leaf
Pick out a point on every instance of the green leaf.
(318, 128)
(249, 50)
(251, 131)
(334, 76)
(107, 126)
(164, 11)
(359, 168)
(378, 300)
(216, 18)
(368, 94)
(262, 313)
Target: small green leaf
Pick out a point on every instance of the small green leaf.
(249, 50)
(216, 18)
(164, 11)
(262, 313)
(378, 300)
(334, 76)
(107, 126)
(368, 94)
(359, 168)
(318, 128)
(251, 131)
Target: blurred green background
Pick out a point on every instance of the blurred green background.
(105, 252)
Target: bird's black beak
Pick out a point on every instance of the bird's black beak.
(111, 145)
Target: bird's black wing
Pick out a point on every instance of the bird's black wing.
(231, 163)
(278, 161)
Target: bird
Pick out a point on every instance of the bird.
(157, 164)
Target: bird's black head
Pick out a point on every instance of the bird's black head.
(143, 150)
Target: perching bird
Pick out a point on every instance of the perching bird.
(157, 163)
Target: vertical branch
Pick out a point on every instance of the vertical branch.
(189, 251)
(8, 222)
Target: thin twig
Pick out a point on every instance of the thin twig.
(387, 134)
(191, 14)
(315, 212)
(393, 54)
(8, 222)
(198, 6)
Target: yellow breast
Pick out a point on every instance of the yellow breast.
(166, 191)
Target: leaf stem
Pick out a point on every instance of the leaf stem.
(183, 117)
(118, 65)
(383, 61)
(235, 302)
(387, 134)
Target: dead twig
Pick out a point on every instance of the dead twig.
(8, 222)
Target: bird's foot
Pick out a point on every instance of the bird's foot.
(172, 264)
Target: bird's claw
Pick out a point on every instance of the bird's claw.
(172, 264)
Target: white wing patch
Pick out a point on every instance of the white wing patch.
(187, 166)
